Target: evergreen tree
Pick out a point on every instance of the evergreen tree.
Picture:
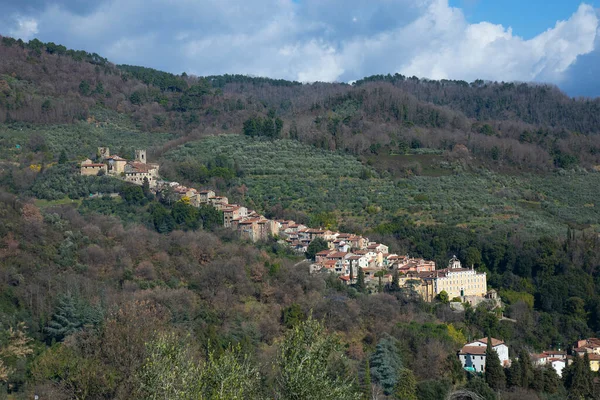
(538, 380)
(316, 245)
(63, 159)
(552, 383)
(366, 386)
(386, 364)
(577, 378)
(513, 374)
(351, 272)
(65, 320)
(494, 373)
(526, 369)
(454, 369)
(406, 387)
(360, 281)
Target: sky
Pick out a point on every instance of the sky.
(552, 41)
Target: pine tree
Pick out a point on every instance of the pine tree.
(406, 388)
(66, 320)
(494, 373)
(386, 364)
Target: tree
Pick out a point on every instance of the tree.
(513, 374)
(360, 281)
(293, 315)
(386, 364)
(366, 384)
(552, 383)
(494, 373)
(65, 320)
(304, 365)
(526, 369)
(577, 378)
(443, 297)
(316, 245)
(406, 387)
(62, 158)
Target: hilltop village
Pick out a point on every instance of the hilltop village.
(346, 255)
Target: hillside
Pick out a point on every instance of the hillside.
(534, 128)
(137, 295)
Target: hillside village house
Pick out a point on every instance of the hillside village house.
(233, 212)
(131, 171)
(472, 355)
(591, 347)
(90, 168)
(557, 359)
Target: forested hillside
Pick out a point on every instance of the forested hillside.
(503, 125)
(137, 295)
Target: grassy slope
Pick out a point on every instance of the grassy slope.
(312, 180)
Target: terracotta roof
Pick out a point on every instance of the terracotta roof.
(495, 342)
(473, 350)
(206, 191)
(116, 158)
(337, 254)
(93, 165)
(323, 252)
(139, 167)
(345, 278)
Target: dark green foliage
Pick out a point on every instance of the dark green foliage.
(293, 315)
(185, 215)
(360, 281)
(514, 376)
(269, 127)
(162, 80)
(63, 159)
(494, 373)
(162, 219)
(578, 378)
(479, 386)
(84, 88)
(432, 389)
(316, 245)
(526, 368)
(132, 194)
(64, 180)
(70, 316)
(386, 364)
(552, 382)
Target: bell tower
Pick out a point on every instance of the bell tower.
(140, 156)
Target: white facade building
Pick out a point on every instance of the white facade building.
(472, 355)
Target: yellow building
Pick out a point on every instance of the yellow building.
(454, 280)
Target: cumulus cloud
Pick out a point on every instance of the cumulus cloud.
(312, 40)
(24, 28)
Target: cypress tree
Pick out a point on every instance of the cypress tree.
(63, 159)
(513, 374)
(552, 381)
(360, 281)
(578, 378)
(494, 373)
(526, 369)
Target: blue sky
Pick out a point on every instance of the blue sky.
(528, 18)
(331, 40)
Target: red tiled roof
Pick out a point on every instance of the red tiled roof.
(473, 350)
(495, 342)
(93, 165)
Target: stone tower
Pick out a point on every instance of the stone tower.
(103, 152)
(140, 156)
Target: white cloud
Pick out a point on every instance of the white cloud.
(315, 39)
(24, 28)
